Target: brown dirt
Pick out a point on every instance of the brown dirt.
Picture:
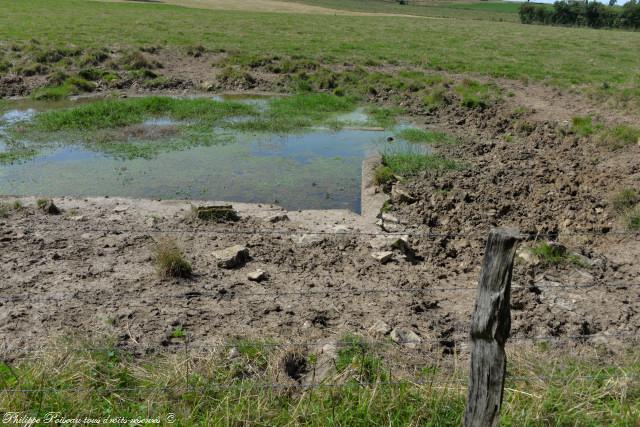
(95, 276)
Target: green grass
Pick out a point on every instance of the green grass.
(474, 94)
(384, 117)
(584, 59)
(122, 112)
(614, 137)
(632, 219)
(624, 200)
(553, 255)
(405, 163)
(425, 136)
(17, 154)
(297, 112)
(619, 136)
(221, 390)
(584, 126)
(493, 11)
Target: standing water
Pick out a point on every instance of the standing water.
(317, 169)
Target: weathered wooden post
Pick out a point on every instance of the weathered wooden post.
(490, 327)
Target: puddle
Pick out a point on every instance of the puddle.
(318, 169)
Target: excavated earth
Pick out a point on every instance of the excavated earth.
(88, 272)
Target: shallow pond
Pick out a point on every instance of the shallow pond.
(315, 169)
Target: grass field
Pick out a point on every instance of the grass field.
(585, 58)
(492, 11)
(216, 389)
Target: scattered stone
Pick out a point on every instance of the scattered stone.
(78, 218)
(389, 227)
(308, 239)
(258, 275)
(387, 217)
(222, 213)
(390, 243)
(151, 221)
(406, 337)
(399, 194)
(527, 256)
(121, 208)
(383, 257)
(281, 217)
(233, 257)
(380, 328)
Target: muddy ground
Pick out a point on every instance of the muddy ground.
(88, 273)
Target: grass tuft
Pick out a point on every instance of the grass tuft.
(425, 136)
(170, 261)
(405, 163)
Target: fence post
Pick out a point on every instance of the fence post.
(490, 327)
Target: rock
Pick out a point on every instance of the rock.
(341, 229)
(399, 194)
(388, 226)
(390, 243)
(308, 239)
(120, 208)
(380, 328)
(406, 337)
(233, 257)
(233, 353)
(383, 256)
(387, 217)
(258, 275)
(222, 213)
(151, 221)
(281, 217)
(78, 218)
(527, 256)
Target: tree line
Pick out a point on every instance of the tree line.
(583, 14)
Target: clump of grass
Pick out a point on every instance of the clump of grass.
(555, 254)
(632, 219)
(136, 60)
(383, 175)
(619, 136)
(624, 200)
(170, 261)
(474, 94)
(298, 112)
(425, 136)
(383, 116)
(584, 126)
(4, 211)
(14, 155)
(71, 86)
(178, 332)
(47, 206)
(435, 99)
(411, 163)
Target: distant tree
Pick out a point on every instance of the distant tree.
(613, 2)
